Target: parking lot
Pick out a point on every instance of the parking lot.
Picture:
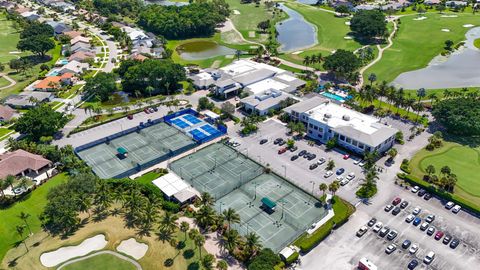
(343, 249)
(298, 170)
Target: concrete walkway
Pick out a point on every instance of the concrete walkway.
(118, 255)
(12, 81)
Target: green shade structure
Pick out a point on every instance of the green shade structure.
(268, 203)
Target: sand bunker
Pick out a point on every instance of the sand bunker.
(347, 37)
(445, 30)
(297, 52)
(420, 18)
(251, 34)
(449, 16)
(133, 248)
(468, 25)
(63, 254)
(236, 12)
(347, 23)
(14, 52)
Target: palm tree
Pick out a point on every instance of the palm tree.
(372, 78)
(433, 97)
(20, 230)
(222, 265)
(392, 153)
(150, 215)
(205, 216)
(9, 180)
(165, 235)
(206, 199)
(24, 216)
(230, 240)
(168, 222)
(333, 187)
(103, 196)
(445, 170)
(330, 165)
(231, 216)
(199, 241)
(323, 188)
(306, 60)
(391, 96)
(88, 108)
(252, 243)
(184, 227)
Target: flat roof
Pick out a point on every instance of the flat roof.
(244, 66)
(170, 184)
(265, 85)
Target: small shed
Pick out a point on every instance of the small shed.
(268, 204)
(122, 151)
(209, 114)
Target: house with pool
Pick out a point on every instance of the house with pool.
(353, 130)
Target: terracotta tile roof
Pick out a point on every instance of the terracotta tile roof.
(16, 162)
(49, 83)
(81, 55)
(6, 112)
(73, 34)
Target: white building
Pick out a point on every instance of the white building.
(353, 130)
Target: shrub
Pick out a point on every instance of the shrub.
(292, 258)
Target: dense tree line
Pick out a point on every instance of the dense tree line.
(150, 77)
(459, 116)
(194, 20)
(123, 7)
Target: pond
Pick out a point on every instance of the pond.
(460, 69)
(199, 50)
(117, 98)
(295, 33)
(308, 2)
(166, 3)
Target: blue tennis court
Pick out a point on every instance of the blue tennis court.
(192, 119)
(208, 128)
(197, 134)
(180, 123)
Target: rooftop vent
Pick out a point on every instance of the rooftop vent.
(327, 115)
(346, 117)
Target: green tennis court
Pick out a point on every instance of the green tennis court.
(156, 142)
(237, 182)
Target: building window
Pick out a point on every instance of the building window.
(310, 125)
(361, 145)
(320, 129)
(348, 140)
(310, 131)
(368, 148)
(354, 143)
(342, 138)
(315, 127)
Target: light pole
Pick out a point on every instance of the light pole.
(313, 186)
(285, 171)
(255, 185)
(283, 207)
(221, 203)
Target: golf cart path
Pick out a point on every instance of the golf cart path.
(12, 81)
(135, 263)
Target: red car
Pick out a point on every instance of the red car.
(396, 201)
(439, 235)
(146, 110)
(129, 117)
(282, 150)
(346, 156)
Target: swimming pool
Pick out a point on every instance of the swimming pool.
(336, 97)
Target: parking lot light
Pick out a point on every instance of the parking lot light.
(285, 171)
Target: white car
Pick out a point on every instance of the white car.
(343, 182)
(350, 176)
(424, 226)
(356, 161)
(361, 163)
(413, 249)
(417, 211)
(449, 205)
(415, 189)
(390, 248)
(321, 161)
(328, 174)
(362, 231)
(377, 226)
(409, 218)
(429, 257)
(456, 208)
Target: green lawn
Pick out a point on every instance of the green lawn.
(9, 37)
(4, 131)
(418, 42)
(476, 42)
(33, 204)
(3, 82)
(463, 160)
(148, 177)
(101, 262)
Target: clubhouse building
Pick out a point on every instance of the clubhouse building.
(353, 130)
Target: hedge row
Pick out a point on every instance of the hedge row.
(440, 193)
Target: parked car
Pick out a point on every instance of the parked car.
(155, 109)
(294, 157)
(146, 111)
(454, 243)
(282, 142)
(321, 161)
(456, 209)
(371, 222)
(415, 189)
(430, 218)
(356, 161)
(439, 235)
(413, 249)
(392, 234)
(282, 150)
(396, 201)
(301, 153)
(384, 231)
(311, 157)
(429, 257)
(409, 218)
(340, 171)
(346, 156)
(151, 110)
(421, 192)
(416, 210)
(328, 174)
(263, 141)
(362, 231)
(424, 226)
(427, 196)
(377, 226)
(130, 117)
(361, 163)
(431, 230)
(447, 239)
(412, 264)
(406, 244)
(396, 210)
(343, 181)
(313, 166)
(390, 248)
(449, 205)
(404, 204)
(388, 207)
(277, 140)
(293, 149)
(417, 221)
(350, 176)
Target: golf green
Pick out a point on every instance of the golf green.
(101, 262)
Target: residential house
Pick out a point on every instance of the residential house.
(81, 56)
(80, 46)
(30, 15)
(28, 99)
(53, 83)
(63, 6)
(352, 130)
(81, 39)
(58, 27)
(74, 67)
(73, 34)
(7, 113)
(21, 163)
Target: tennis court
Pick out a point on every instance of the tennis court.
(237, 182)
(151, 144)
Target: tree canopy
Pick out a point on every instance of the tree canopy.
(265, 260)
(194, 20)
(101, 86)
(157, 76)
(369, 24)
(36, 29)
(459, 116)
(124, 7)
(39, 45)
(342, 63)
(41, 121)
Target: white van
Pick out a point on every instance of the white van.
(429, 258)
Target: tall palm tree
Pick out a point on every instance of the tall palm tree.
(149, 215)
(231, 239)
(168, 221)
(103, 196)
(333, 187)
(199, 241)
(20, 230)
(399, 98)
(206, 199)
(231, 216)
(433, 98)
(372, 78)
(205, 216)
(252, 243)
(165, 235)
(184, 227)
(24, 216)
(323, 188)
(391, 96)
(9, 180)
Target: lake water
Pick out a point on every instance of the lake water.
(166, 3)
(295, 33)
(308, 2)
(199, 50)
(461, 69)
